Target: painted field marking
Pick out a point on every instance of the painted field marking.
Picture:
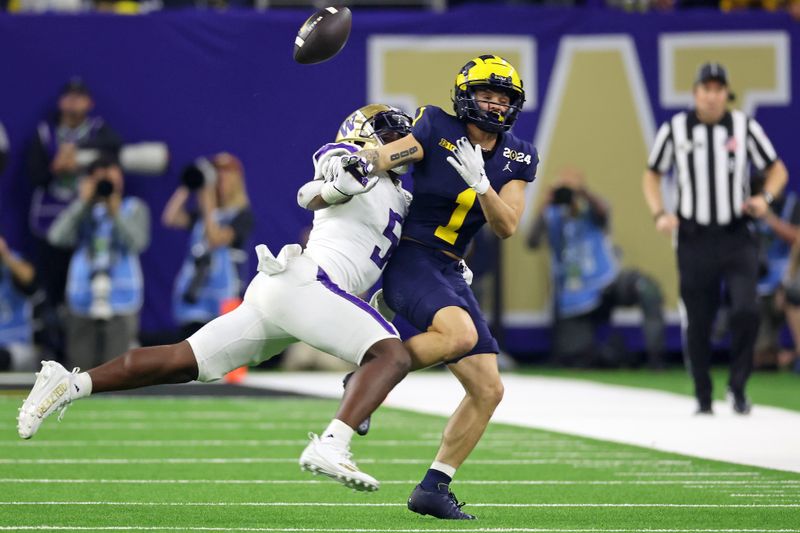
(533, 482)
(362, 530)
(403, 505)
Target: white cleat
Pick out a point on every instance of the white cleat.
(51, 392)
(324, 456)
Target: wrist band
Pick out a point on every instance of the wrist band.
(768, 197)
(332, 195)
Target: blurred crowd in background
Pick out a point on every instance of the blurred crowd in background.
(78, 297)
(133, 7)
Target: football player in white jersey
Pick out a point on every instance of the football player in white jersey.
(297, 295)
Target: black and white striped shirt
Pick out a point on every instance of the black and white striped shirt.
(711, 163)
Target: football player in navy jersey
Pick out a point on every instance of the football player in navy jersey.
(468, 170)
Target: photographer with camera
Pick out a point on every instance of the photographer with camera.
(54, 163)
(587, 279)
(220, 227)
(17, 285)
(106, 231)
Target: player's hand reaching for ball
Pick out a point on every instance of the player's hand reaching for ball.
(346, 177)
(468, 162)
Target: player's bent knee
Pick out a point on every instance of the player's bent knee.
(492, 393)
(455, 324)
(461, 341)
(391, 352)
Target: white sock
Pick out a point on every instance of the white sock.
(444, 469)
(81, 385)
(338, 430)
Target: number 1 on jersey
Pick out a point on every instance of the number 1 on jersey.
(464, 203)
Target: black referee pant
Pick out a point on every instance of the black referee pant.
(707, 256)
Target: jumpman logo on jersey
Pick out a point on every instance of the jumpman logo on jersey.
(508, 166)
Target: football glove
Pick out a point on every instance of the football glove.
(348, 178)
(328, 156)
(468, 162)
(465, 271)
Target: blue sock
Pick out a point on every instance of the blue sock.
(433, 481)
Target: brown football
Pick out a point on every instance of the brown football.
(323, 35)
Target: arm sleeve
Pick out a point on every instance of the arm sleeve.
(308, 192)
(759, 147)
(64, 230)
(661, 155)
(528, 172)
(132, 227)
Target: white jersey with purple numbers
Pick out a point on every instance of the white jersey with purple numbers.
(352, 241)
(310, 297)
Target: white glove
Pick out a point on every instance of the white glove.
(468, 162)
(466, 272)
(378, 303)
(350, 175)
(327, 157)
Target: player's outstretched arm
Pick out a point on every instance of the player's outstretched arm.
(394, 154)
(347, 176)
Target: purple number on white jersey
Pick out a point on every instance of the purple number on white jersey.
(394, 219)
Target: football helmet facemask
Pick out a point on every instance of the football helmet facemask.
(488, 72)
(375, 125)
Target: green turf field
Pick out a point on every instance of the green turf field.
(149, 464)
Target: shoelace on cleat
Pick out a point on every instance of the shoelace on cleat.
(453, 500)
(63, 408)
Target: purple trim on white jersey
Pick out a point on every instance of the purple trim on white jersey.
(323, 278)
(324, 149)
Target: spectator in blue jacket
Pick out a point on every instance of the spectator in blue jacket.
(588, 282)
(17, 285)
(106, 231)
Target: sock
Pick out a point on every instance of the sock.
(81, 386)
(436, 480)
(339, 431)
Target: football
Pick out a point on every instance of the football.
(323, 35)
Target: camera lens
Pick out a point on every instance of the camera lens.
(192, 177)
(104, 188)
(562, 196)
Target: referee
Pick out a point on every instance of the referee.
(711, 150)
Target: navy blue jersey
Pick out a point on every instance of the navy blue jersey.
(445, 212)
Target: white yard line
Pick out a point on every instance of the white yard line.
(363, 460)
(362, 530)
(403, 505)
(769, 437)
(517, 482)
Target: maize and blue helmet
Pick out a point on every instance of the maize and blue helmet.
(488, 72)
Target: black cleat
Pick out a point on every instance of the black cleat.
(704, 408)
(363, 427)
(437, 504)
(741, 405)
